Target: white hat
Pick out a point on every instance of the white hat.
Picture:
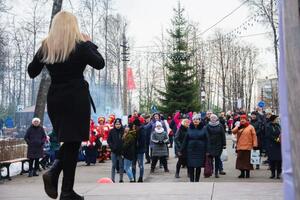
(158, 124)
(197, 116)
(36, 119)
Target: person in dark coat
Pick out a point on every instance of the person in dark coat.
(147, 132)
(216, 141)
(179, 138)
(195, 146)
(129, 149)
(35, 138)
(66, 52)
(258, 126)
(160, 140)
(140, 150)
(273, 134)
(115, 143)
(91, 150)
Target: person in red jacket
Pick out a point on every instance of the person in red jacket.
(135, 116)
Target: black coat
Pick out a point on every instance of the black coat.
(195, 144)
(179, 139)
(258, 126)
(141, 140)
(273, 132)
(216, 139)
(129, 146)
(35, 138)
(68, 100)
(115, 141)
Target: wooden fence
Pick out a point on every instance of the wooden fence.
(12, 149)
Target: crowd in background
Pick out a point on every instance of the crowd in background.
(199, 140)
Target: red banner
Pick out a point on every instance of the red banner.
(130, 79)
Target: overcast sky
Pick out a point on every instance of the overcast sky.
(148, 17)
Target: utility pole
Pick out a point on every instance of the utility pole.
(125, 59)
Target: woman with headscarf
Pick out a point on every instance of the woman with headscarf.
(246, 141)
(179, 138)
(273, 135)
(66, 52)
(115, 143)
(195, 147)
(216, 141)
(35, 138)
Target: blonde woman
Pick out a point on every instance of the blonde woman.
(66, 52)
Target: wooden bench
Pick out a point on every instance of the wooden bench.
(6, 164)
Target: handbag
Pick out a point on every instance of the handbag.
(224, 155)
(208, 167)
(255, 157)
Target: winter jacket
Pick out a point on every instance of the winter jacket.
(195, 146)
(68, 98)
(129, 145)
(216, 139)
(141, 141)
(54, 144)
(258, 129)
(160, 141)
(115, 140)
(273, 131)
(35, 138)
(246, 137)
(179, 138)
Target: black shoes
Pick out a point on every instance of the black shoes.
(70, 196)
(30, 173)
(222, 173)
(50, 179)
(35, 173)
(140, 180)
(177, 175)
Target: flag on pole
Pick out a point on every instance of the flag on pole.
(130, 79)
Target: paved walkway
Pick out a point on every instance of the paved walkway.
(159, 185)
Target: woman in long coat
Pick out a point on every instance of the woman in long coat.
(246, 141)
(66, 52)
(273, 134)
(216, 141)
(35, 138)
(195, 146)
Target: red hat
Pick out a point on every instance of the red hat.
(244, 117)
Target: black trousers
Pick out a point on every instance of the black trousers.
(147, 153)
(181, 162)
(194, 177)
(36, 164)
(276, 166)
(163, 160)
(68, 154)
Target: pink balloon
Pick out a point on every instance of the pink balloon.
(105, 180)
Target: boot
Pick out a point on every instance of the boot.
(247, 173)
(273, 174)
(140, 180)
(67, 192)
(35, 173)
(278, 174)
(50, 179)
(242, 174)
(177, 175)
(30, 173)
(217, 175)
(152, 170)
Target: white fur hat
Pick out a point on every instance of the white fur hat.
(36, 119)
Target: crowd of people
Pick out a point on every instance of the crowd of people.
(198, 140)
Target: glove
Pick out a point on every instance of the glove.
(255, 148)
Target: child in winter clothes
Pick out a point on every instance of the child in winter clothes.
(160, 149)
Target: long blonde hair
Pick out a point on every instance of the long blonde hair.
(62, 38)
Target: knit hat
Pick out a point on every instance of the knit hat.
(158, 124)
(244, 117)
(118, 120)
(214, 118)
(273, 117)
(36, 119)
(197, 116)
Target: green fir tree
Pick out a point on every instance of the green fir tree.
(181, 92)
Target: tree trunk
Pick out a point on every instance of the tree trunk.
(46, 80)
